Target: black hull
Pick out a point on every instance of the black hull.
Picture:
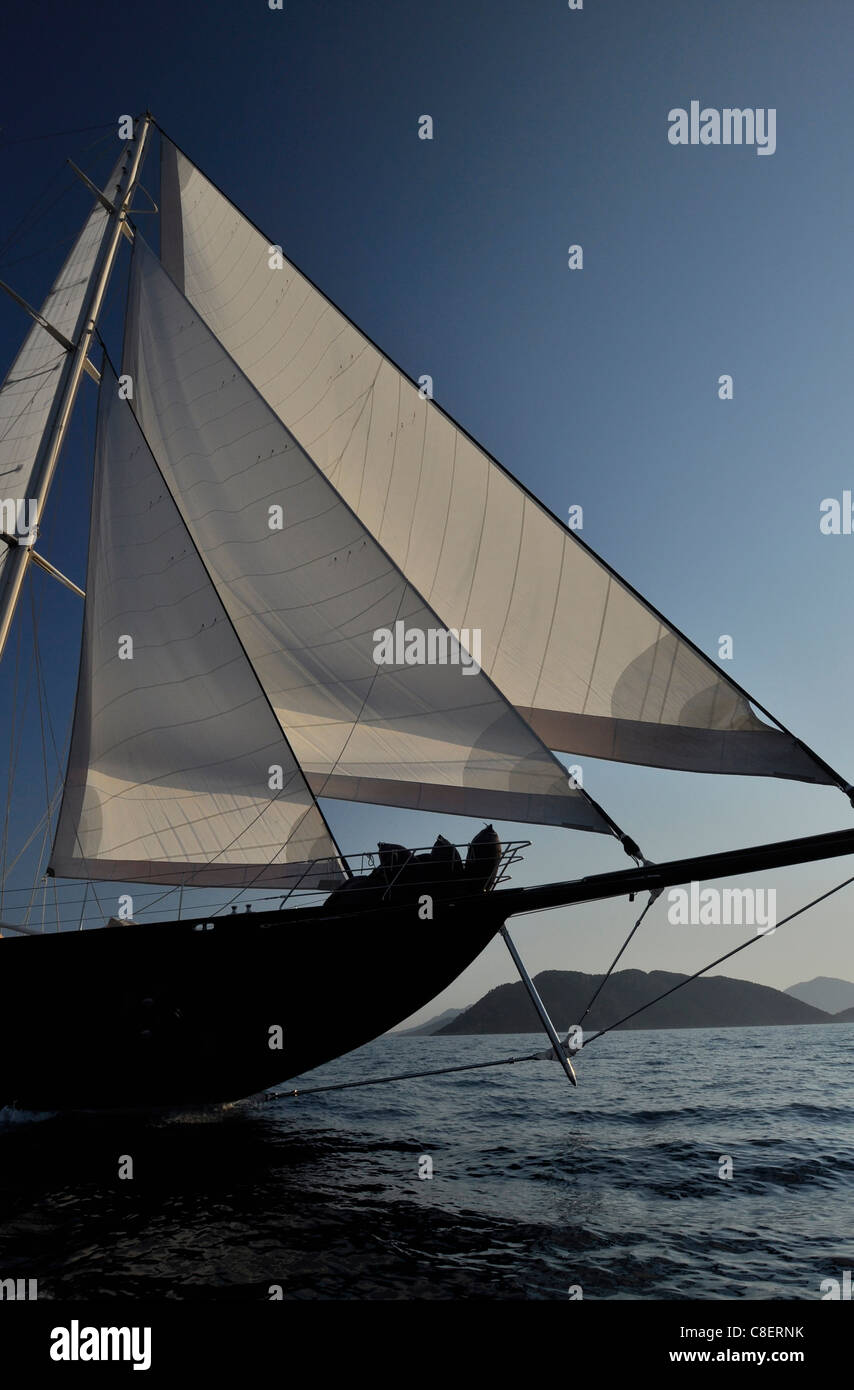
(166, 1015)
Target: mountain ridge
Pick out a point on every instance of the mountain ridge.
(714, 1001)
(825, 992)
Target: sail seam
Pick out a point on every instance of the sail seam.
(548, 638)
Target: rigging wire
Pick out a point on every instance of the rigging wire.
(49, 799)
(34, 212)
(734, 952)
(4, 851)
(654, 893)
(35, 667)
(39, 874)
(14, 758)
(54, 135)
(39, 689)
(83, 908)
(42, 373)
(44, 712)
(60, 245)
(22, 851)
(401, 1076)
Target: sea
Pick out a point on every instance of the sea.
(707, 1164)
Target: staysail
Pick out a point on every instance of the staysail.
(178, 770)
(308, 589)
(588, 664)
(31, 387)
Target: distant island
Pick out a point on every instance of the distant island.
(824, 992)
(714, 1001)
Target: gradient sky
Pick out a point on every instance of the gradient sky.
(598, 387)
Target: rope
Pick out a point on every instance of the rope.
(403, 1076)
(654, 893)
(726, 956)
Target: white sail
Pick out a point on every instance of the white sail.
(590, 666)
(31, 386)
(308, 590)
(178, 771)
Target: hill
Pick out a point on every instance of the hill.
(845, 1016)
(433, 1025)
(715, 1001)
(825, 993)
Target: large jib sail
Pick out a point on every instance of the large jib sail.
(308, 589)
(587, 663)
(31, 389)
(178, 770)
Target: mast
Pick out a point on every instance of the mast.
(18, 558)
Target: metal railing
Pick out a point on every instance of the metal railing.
(364, 863)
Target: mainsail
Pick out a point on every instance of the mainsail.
(32, 384)
(178, 771)
(588, 664)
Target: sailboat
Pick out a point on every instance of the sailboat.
(306, 582)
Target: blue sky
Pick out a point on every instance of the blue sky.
(598, 387)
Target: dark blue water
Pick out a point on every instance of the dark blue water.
(614, 1187)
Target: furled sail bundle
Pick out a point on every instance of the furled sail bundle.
(588, 664)
(32, 387)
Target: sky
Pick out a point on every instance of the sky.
(597, 387)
